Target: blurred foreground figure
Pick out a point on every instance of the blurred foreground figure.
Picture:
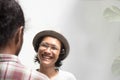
(11, 38)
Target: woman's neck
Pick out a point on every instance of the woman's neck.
(49, 71)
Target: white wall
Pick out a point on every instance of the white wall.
(94, 34)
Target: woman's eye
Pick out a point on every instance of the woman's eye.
(44, 45)
(54, 48)
(47, 46)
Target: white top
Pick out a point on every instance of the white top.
(64, 75)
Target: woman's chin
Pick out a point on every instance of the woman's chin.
(45, 62)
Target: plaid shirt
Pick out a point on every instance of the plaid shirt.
(12, 69)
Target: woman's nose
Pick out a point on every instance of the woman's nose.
(48, 49)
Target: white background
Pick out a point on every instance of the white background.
(93, 34)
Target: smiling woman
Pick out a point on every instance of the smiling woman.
(52, 48)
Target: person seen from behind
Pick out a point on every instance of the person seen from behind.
(12, 24)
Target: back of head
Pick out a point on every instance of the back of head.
(11, 18)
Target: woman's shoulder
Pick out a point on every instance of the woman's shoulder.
(67, 74)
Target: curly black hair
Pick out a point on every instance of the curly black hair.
(11, 18)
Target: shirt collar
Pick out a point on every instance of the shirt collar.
(9, 58)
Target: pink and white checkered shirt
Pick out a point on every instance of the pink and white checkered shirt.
(12, 69)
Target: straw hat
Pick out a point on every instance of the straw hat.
(39, 36)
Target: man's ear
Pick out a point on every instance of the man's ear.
(18, 40)
(19, 35)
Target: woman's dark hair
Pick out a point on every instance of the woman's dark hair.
(11, 18)
(59, 61)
